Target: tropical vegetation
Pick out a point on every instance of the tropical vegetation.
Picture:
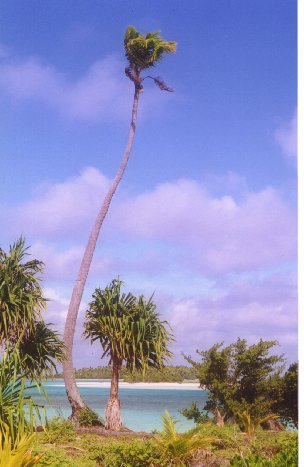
(130, 331)
(169, 373)
(245, 379)
(29, 351)
(142, 53)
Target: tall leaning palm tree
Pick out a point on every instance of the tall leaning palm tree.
(130, 332)
(142, 53)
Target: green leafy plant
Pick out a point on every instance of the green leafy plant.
(250, 425)
(18, 452)
(59, 429)
(176, 447)
(137, 453)
(288, 457)
(240, 378)
(18, 412)
(87, 417)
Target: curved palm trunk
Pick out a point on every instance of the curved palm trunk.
(112, 412)
(69, 331)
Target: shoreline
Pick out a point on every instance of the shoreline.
(124, 385)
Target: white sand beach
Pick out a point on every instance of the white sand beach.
(124, 385)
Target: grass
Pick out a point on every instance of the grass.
(68, 448)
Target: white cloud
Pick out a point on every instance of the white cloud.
(220, 234)
(102, 93)
(65, 207)
(225, 234)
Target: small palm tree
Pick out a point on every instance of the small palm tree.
(142, 53)
(130, 332)
(250, 425)
(176, 447)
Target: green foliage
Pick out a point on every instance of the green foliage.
(59, 429)
(87, 417)
(144, 51)
(17, 410)
(195, 414)
(176, 447)
(57, 458)
(137, 453)
(168, 373)
(21, 297)
(287, 406)
(240, 378)
(39, 350)
(250, 426)
(17, 453)
(128, 328)
(21, 304)
(287, 457)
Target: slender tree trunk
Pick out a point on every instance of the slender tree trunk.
(70, 324)
(112, 412)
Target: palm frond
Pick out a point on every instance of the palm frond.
(144, 51)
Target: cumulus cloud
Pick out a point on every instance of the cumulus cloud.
(248, 310)
(225, 234)
(286, 137)
(65, 207)
(103, 92)
(219, 233)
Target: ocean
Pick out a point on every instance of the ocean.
(141, 407)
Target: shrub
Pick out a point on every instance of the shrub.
(87, 417)
(59, 429)
(288, 457)
(136, 453)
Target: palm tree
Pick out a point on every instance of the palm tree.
(21, 297)
(142, 52)
(22, 327)
(130, 332)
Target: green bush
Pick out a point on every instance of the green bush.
(59, 429)
(87, 417)
(56, 458)
(136, 453)
(288, 457)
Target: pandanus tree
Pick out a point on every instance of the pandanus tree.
(22, 327)
(130, 332)
(142, 53)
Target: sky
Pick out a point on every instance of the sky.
(206, 215)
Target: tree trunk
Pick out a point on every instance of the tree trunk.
(70, 324)
(112, 412)
(219, 419)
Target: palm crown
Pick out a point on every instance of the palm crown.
(128, 328)
(142, 52)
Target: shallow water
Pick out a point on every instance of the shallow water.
(141, 409)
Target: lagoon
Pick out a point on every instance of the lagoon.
(142, 404)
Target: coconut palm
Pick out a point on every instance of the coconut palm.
(142, 53)
(130, 332)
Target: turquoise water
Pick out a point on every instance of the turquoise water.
(141, 409)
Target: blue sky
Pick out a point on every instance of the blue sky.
(206, 213)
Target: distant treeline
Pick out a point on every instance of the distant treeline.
(168, 374)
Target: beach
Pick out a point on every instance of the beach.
(141, 385)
